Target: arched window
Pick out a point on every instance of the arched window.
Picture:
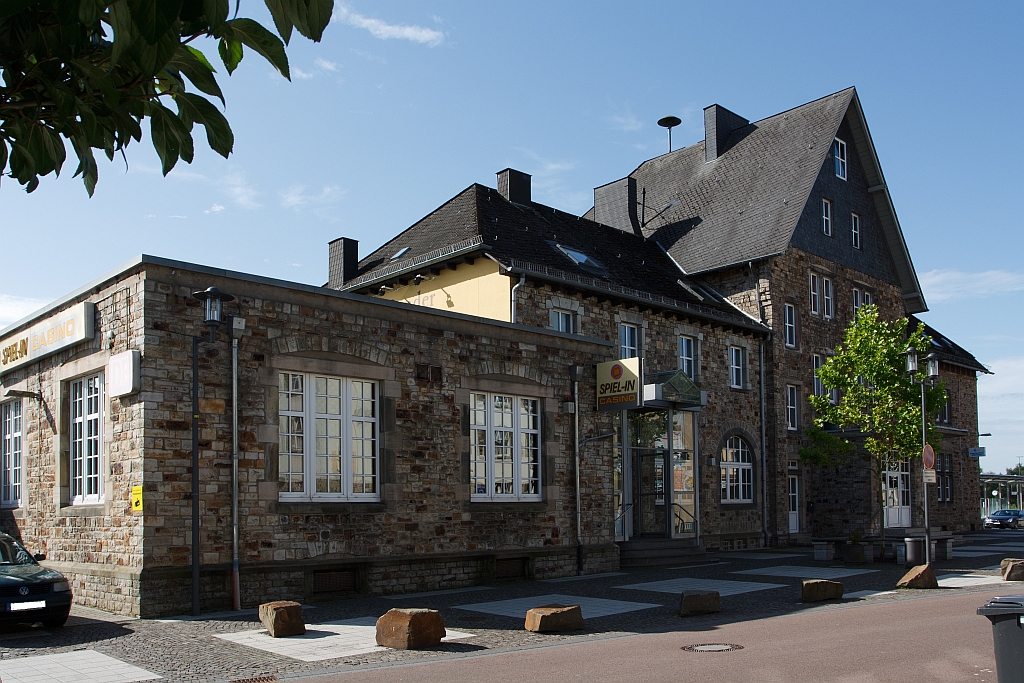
(737, 472)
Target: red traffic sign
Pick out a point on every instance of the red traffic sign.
(928, 456)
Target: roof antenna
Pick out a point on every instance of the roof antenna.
(669, 122)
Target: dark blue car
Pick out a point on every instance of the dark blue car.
(30, 593)
(1004, 519)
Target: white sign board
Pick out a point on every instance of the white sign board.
(618, 384)
(67, 328)
(124, 372)
(976, 452)
(929, 476)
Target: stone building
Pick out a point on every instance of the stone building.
(362, 428)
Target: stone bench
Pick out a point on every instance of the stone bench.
(692, 603)
(554, 618)
(816, 590)
(410, 629)
(282, 618)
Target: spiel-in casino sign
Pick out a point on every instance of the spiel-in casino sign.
(618, 385)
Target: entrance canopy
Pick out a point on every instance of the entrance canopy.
(673, 387)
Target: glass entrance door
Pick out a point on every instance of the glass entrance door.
(684, 475)
(897, 496)
(794, 504)
(648, 436)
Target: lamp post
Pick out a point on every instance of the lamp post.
(930, 378)
(214, 299)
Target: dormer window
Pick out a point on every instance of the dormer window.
(400, 253)
(839, 154)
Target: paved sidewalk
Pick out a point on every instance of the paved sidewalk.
(487, 620)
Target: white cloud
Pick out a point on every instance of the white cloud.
(240, 191)
(216, 208)
(626, 122)
(384, 31)
(14, 308)
(296, 197)
(300, 74)
(325, 65)
(953, 285)
(177, 216)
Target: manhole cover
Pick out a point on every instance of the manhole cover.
(256, 679)
(713, 647)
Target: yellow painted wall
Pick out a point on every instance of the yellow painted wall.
(474, 289)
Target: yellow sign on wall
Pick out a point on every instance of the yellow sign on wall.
(136, 499)
(618, 384)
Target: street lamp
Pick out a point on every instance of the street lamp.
(214, 299)
(930, 378)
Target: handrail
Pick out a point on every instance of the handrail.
(688, 514)
(625, 509)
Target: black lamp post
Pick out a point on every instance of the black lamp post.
(214, 299)
(930, 378)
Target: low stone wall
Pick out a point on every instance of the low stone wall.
(114, 590)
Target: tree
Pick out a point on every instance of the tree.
(878, 410)
(90, 72)
(1016, 469)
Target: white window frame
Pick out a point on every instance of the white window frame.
(855, 230)
(737, 471)
(12, 445)
(867, 299)
(826, 216)
(792, 408)
(85, 436)
(737, 367)
(819, 386)
(839, 153)
(335, 443)
(789, 324)
(688, 356)
(563, 320)
(815, 294)
(629, 340)
(517, 431)
(857, 301)
(827, 299)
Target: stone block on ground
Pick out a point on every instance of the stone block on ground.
(692, 603)
(1012, 569)
(282, 618)
(554, 618)
(816, 590)
(920, 576)
(410, 629)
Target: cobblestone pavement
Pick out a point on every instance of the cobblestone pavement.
(189, 649)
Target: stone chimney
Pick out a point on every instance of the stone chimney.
(719, 124)
(615, 205)
(514, 185)
(343, 261)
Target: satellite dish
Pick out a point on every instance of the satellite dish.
(669, 122)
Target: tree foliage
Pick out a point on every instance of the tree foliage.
(91, 71)
(879, 406)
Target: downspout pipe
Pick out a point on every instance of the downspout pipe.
(576, 459)
(522, 279)
(236, 592)
(764, 449)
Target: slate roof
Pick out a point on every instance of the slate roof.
(946, 349)
(744, 205)
(525, 238)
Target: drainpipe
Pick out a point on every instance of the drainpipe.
(764, 450)
(522, 279)
(237, 328)
(575, 370)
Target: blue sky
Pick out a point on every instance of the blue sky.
(404, 104)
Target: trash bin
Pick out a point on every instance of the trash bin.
(915, 551)
(1007, 616)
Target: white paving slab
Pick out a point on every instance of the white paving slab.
(867, 594)
(582, 578)
(591, 607)
(427, 594)
(965, 580)
(798, 572)
(80, 666)
(677, 586)
(993, 567)
(760, 556)
(329, 640)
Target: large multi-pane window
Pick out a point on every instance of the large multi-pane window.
(839, 154)
(737, 472)
(86, 437)
(328, 438)
(789, 322)
(687, 347)
(504, 447)
(826, 217)
(10, 453)
(792, 408)
(944, 477)
(815, 299)
(737, 367)
(629, 341)
(827, 298)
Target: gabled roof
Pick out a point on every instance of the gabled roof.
(539, 241)
(946, 349)
(745, 205)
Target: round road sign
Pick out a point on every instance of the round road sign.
(928, 456)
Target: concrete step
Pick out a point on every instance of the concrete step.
(660, 553)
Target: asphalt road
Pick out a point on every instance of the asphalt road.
(928, 639)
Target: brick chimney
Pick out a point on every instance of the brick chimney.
(514, 185)
(719, 124)
(343, 261)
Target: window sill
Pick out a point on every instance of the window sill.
(316, 507)
(84, 510)
(507, 505)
